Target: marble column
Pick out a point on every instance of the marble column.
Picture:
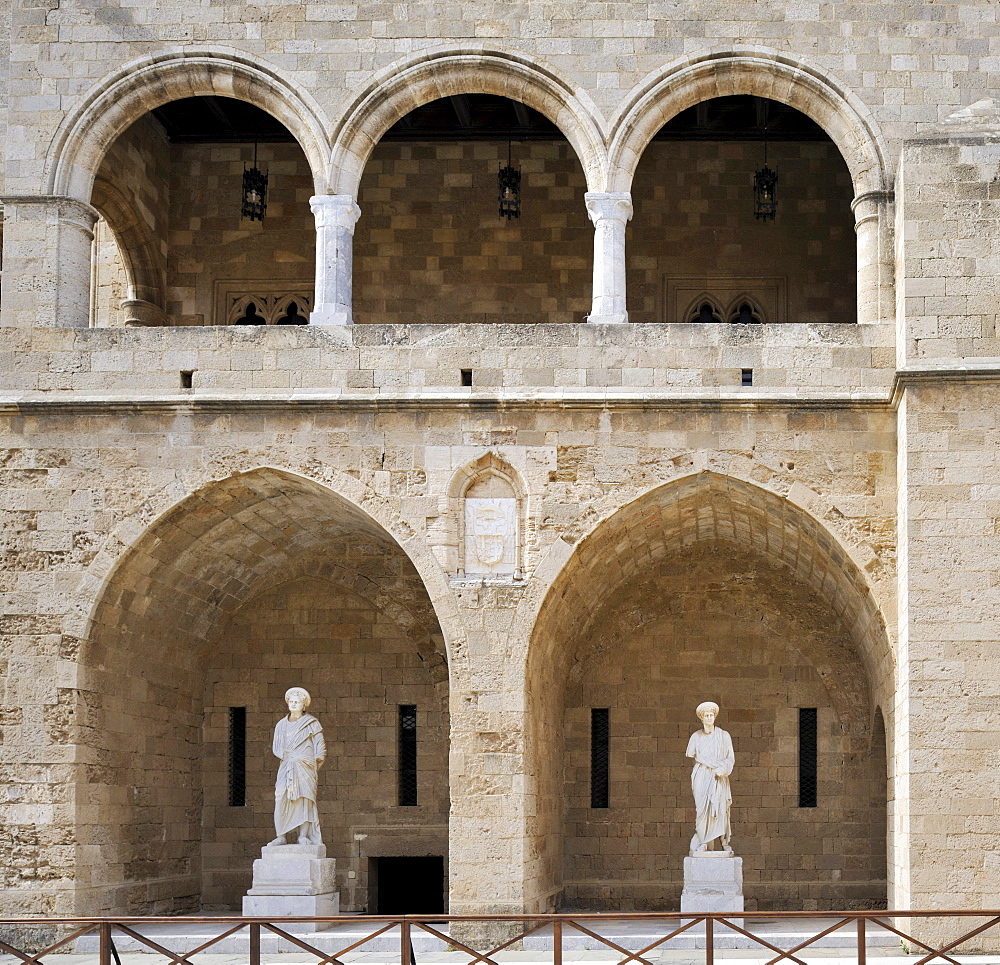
(336, 215)
(609, 212)
(48, 244)
(873, 224)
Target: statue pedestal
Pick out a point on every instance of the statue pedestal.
(713, 884)
(292, 880)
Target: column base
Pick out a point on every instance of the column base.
(617, 319)
(329, 316)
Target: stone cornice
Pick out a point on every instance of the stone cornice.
(746, 399)
(985, 370)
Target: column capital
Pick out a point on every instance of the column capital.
(139, 312)
(70, 210)
(608, 206)
(335, 211)
(866, 205)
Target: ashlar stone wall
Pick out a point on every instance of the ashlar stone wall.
(714, 622)
(945, 755)
(430, 247)
(694, 222)
(131, 555)
(212, 248)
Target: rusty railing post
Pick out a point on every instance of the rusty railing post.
(404, 942)
(105, 933)
(709, 941)
(557, 942)
(862, 947)
(254, 943)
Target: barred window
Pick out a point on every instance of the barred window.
(237, 757)
(600, 757)
(808, 758)
(407, 754)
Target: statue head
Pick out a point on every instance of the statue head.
(299, 694)
(707, 709)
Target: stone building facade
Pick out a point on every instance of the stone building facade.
(508, 473)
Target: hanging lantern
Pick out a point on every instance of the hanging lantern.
(254, 191)
(765, 194)
(509, 179)
(765, 186)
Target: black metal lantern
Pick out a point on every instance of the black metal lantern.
(765, 186)
(254, 191)
(509, 181)
(765, 194)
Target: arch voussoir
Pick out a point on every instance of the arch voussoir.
(404, 87)
(121, 99)
(763, 74)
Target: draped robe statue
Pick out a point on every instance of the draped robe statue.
(712, 750)
(298, 743)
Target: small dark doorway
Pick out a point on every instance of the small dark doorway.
(406, 886)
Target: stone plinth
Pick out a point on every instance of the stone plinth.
(713, 884)
(292, 880)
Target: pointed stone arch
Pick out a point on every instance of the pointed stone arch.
(684, 83)
(468, 70)
(167, 593)
(736, 304)
(760, 557)
(693, 311)
(112, 105)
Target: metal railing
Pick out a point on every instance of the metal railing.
(551, 930)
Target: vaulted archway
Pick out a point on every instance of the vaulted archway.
(254, 583)
(707, 587)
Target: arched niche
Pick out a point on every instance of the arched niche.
(249, 585)
(707, 586)
(489, 502)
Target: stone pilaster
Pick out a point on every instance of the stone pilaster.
(609, 212)
(47, 261)
(336, 215)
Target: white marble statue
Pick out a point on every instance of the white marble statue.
(712, 750)
(298, 743)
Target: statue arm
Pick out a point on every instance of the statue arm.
(725, 767)
(278, 744)
(319, 746)
(712, 763)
